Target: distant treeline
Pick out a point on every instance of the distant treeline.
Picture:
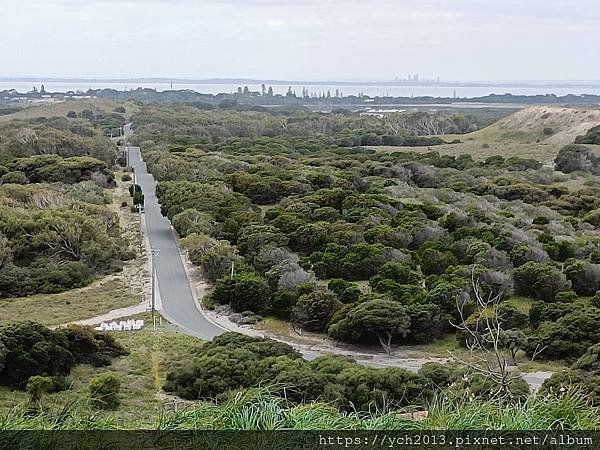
(256, 98)
(329, 99)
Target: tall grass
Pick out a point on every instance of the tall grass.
(570, 411)
(259, 409)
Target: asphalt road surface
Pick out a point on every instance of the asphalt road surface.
(177, 303)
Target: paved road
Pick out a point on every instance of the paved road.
(177, 303)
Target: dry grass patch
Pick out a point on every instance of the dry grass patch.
(276, 327)
(55, 309)
(480, 150)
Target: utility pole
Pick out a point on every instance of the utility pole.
(233, 263)
(153, 252)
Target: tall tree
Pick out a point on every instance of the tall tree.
(383, 318)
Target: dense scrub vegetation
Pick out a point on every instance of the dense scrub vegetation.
(29, 350)
(584, 375)
(55, 232)
(577, 157)
(376, 246)
(592, 136)
(58, 136)
(189, 126)
(254, 383)
(232, 362)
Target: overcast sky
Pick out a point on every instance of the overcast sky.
(302, 39)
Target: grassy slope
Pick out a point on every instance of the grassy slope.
(143, 405)
(521, 134)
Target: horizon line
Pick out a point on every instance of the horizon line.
(391, 82)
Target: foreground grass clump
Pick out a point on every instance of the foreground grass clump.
(258, 409)
(569, 412)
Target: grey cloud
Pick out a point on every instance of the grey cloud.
(458, 39)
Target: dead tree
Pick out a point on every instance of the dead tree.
(484, 339)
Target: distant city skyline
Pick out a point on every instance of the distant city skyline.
(410, 78)
(467, 40)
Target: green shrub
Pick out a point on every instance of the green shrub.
(592, 136)
(596, 300)
(244, 292)
(568, 337)
(232, 362)
(576, 157)
(566, 297)
(16, 177)
(30, 349)
(38, 385)
(104, 391)
(439, 375)
(313, 311)
(539, 280)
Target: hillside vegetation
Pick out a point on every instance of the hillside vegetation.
(294, 216)
(61, 109)
(140, 362)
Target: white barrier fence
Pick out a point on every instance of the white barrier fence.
(123, 325)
